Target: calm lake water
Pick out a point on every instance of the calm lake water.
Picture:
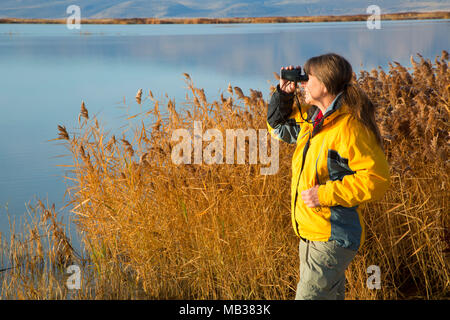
(47, 70)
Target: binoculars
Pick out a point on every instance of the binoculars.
(294, 75)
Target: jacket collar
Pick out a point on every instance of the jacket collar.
(336, 109)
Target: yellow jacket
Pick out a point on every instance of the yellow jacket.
(342, 156)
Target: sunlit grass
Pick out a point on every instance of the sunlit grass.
(155, 230)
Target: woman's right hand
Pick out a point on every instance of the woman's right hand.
(286, 85)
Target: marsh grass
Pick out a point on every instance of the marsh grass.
(200, 20)
(155, 230)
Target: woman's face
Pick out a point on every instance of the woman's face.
(315, 90)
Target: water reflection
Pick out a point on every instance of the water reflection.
(243, 52)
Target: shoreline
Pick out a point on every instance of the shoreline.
(294, 19)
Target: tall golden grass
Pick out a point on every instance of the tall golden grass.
(156, 230)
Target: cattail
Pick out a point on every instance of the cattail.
(157, 125)
(139, 96)
(143, 158)
(86, 158)
(201, 94)
(111, 142)
(156, 109)
(196, 102)
(239, 92)
(255, 94)
(128, 147)
(434, 144)
(173, 113)
(82, 153)
(63, 133)
(230, 89)
(84, 112)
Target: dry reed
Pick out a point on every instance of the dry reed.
(156, 230)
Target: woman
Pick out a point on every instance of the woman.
(338, 165)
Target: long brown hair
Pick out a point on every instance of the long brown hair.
(336, 73)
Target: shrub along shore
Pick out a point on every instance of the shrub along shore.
(296, 19)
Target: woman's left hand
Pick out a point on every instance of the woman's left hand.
(311, 197)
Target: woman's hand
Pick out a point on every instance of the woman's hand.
(311, 197)
(286, 85)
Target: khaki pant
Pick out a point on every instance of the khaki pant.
(322, 270)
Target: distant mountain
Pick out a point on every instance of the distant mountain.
(52, 9)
